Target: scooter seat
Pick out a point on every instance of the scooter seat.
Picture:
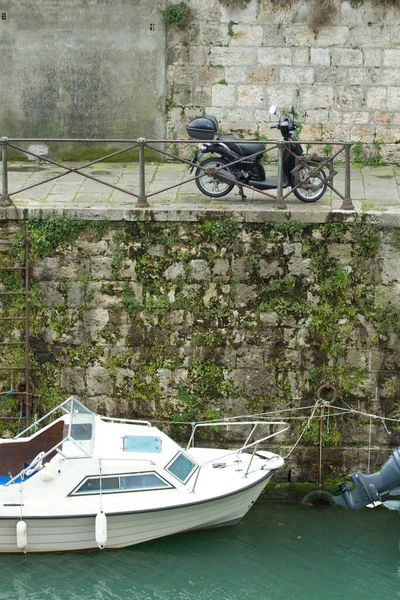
(241, 148)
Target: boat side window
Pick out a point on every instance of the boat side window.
(92, 484)
(140, 481)
(122, 483)
(181, 467)
(142, 443)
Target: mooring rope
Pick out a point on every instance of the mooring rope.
(369, 445)
(304, 430)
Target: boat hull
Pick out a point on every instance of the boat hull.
(64, 534)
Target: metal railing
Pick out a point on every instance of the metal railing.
(313, 161)
(254, 445)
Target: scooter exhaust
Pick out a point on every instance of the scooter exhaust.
(222, 174)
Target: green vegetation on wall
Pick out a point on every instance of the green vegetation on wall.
(179, 15)
(187, 320)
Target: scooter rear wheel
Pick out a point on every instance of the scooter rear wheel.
(316, 187)
(209, 185)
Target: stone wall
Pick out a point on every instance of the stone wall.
(189, 321)
(343, 78)
(98, 69)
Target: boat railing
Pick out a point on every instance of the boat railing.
(34, 425)
(135, 460)
(254, 445)
(131, 421)
(37, 463)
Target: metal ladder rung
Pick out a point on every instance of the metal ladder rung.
(22, 267)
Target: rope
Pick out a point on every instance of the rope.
(320, 449)
(369, 445)
(101, 486)
(6, 396)
(340, 411)
(304, 430)
(253, 415)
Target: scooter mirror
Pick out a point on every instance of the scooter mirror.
(272, 109)
(293, 111)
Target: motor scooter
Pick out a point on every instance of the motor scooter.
(236, 163)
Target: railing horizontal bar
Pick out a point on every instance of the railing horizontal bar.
(12, 344)
(149, 141)
(12, 293)
(81, 140)
(12, 268)
(10, 418)
(12, 318)
(70, 169)
(12, 368)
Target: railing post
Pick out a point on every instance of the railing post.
(279, 193)
(5, 199)
(347, 203)
(142, 200)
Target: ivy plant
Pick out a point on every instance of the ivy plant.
(178, 15)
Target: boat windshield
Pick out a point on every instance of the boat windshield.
(80, 428)
(78, 435)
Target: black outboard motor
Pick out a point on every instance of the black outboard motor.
(371, 488)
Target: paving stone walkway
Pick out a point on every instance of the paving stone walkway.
(374, 190)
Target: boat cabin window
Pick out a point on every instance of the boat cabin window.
(122, 483)
(142, 443)
(181, 467)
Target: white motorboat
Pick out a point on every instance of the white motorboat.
(84, 481)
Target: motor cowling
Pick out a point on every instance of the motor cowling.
(372, 488)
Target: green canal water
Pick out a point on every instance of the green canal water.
(279, 552)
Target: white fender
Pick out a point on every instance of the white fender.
(49, 472)
(22, 540)
(101, 529)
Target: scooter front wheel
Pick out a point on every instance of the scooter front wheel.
(207, 183)
(313, 188)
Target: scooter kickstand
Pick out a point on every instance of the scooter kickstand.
(242, 194)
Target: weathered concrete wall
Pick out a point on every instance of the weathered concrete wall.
(82, 69)
(189, 321)
(343, 78)
(98, 68)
